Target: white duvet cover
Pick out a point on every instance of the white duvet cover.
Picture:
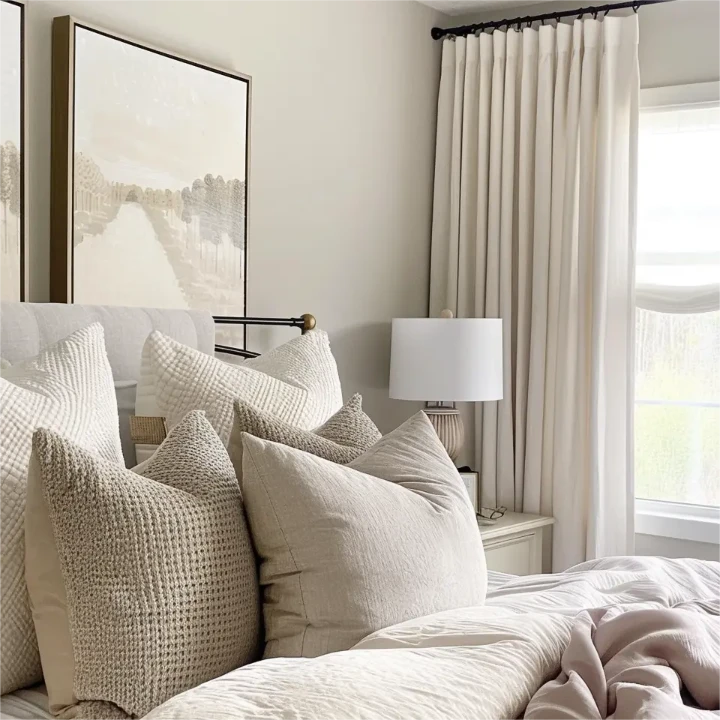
(478, 662)
(26, 704)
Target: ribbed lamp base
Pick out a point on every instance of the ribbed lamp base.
(449, 426)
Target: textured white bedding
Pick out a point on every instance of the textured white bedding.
(474, 662)
(28, 704)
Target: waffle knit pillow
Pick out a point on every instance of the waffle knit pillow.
(68, 387)
(146, 585)
(345, 436)
(297, 382)
(346, 550)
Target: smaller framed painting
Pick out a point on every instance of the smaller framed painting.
(13, 231)
(149, 175)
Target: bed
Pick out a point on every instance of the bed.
(529, 649)
(475, 662)
(26, 704)
(31, 703)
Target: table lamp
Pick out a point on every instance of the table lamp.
(446, 360)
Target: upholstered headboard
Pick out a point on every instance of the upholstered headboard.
(28, 328)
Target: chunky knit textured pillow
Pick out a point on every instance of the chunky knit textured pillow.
(349, 549)
(297, 382)
(156, 572)
(345, 436)
(69, 388)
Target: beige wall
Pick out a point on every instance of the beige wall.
(342, 148)
(679, 41)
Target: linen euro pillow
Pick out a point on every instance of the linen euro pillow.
(297, 382)
(142, 585)
(69, 388)
(346, 550)
(345, 436)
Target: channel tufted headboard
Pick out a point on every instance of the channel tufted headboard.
(28, 328)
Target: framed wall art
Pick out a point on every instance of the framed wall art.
(150, 156)
(13, 230)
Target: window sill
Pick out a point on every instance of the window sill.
(697, 523)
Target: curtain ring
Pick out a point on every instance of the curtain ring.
(580, 16)
(595, 14)
(635, 7)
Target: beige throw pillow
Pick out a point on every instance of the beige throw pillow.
(348, 549)
(297, 382)
(145, 585)
(69, 388)
(345, 436)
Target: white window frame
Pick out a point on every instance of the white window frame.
(696, 523)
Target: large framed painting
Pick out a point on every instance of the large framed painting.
(13, 258)
(149, 175)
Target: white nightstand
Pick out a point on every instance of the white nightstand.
(519, 544)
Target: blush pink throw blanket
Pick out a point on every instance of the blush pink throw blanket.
(649, 663)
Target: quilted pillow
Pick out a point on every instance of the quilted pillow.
(347, 550)
(142, 585)
(297, 382)
(69, 388)
(345, 436)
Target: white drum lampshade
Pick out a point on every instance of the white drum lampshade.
(446, 360)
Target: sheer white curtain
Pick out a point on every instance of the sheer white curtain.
(534, 222)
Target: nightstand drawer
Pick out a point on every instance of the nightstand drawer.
(516, 555)
(518, 543)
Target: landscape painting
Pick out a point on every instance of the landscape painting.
(158, 181)
(12, 229)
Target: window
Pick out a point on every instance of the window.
(677, 383)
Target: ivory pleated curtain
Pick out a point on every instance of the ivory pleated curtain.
(534, 222)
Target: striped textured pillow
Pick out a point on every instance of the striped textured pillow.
(297, 382)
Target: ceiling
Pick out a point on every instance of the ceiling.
(464, 7)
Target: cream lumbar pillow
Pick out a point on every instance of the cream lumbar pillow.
(142, 585)
(342, 438)
(297, 382)
(349, 549)
(69, 388)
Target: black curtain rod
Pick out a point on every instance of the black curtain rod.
(528, 20)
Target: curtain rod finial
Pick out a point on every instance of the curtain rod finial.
(309, 322)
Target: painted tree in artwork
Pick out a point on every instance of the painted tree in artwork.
(212, 210)
(217, 213)
(91, 188)
(236, 212)
(9, 184)
(14, 202)
(4, 192)
(186, 209)
(167, 199)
